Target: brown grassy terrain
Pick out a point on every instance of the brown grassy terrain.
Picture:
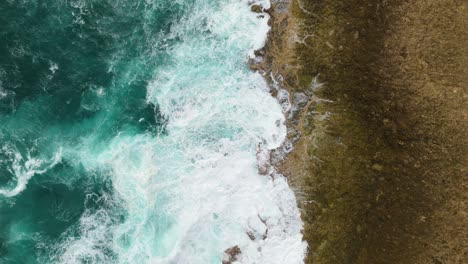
(380, 168)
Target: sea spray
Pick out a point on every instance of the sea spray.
(154, 120)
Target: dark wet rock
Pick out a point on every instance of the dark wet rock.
(231, 255)
(256, 8)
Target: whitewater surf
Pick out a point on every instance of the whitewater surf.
(129, 133)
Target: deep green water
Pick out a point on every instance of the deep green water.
(128, 134)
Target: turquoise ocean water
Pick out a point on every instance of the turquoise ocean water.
(129, 133)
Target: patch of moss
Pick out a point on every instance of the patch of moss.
(383, 145)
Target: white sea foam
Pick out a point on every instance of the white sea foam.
(195, 192)
(24, 168)
(3, 93)
(53, 67)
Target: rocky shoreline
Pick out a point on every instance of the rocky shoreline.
(375, 95)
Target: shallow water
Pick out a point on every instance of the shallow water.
(129, 131)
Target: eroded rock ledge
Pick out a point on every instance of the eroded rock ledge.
(377, 112)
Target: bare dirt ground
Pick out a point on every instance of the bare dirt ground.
(381, 167)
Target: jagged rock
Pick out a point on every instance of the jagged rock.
(231, 254)
(251, 235)
(256, 8)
